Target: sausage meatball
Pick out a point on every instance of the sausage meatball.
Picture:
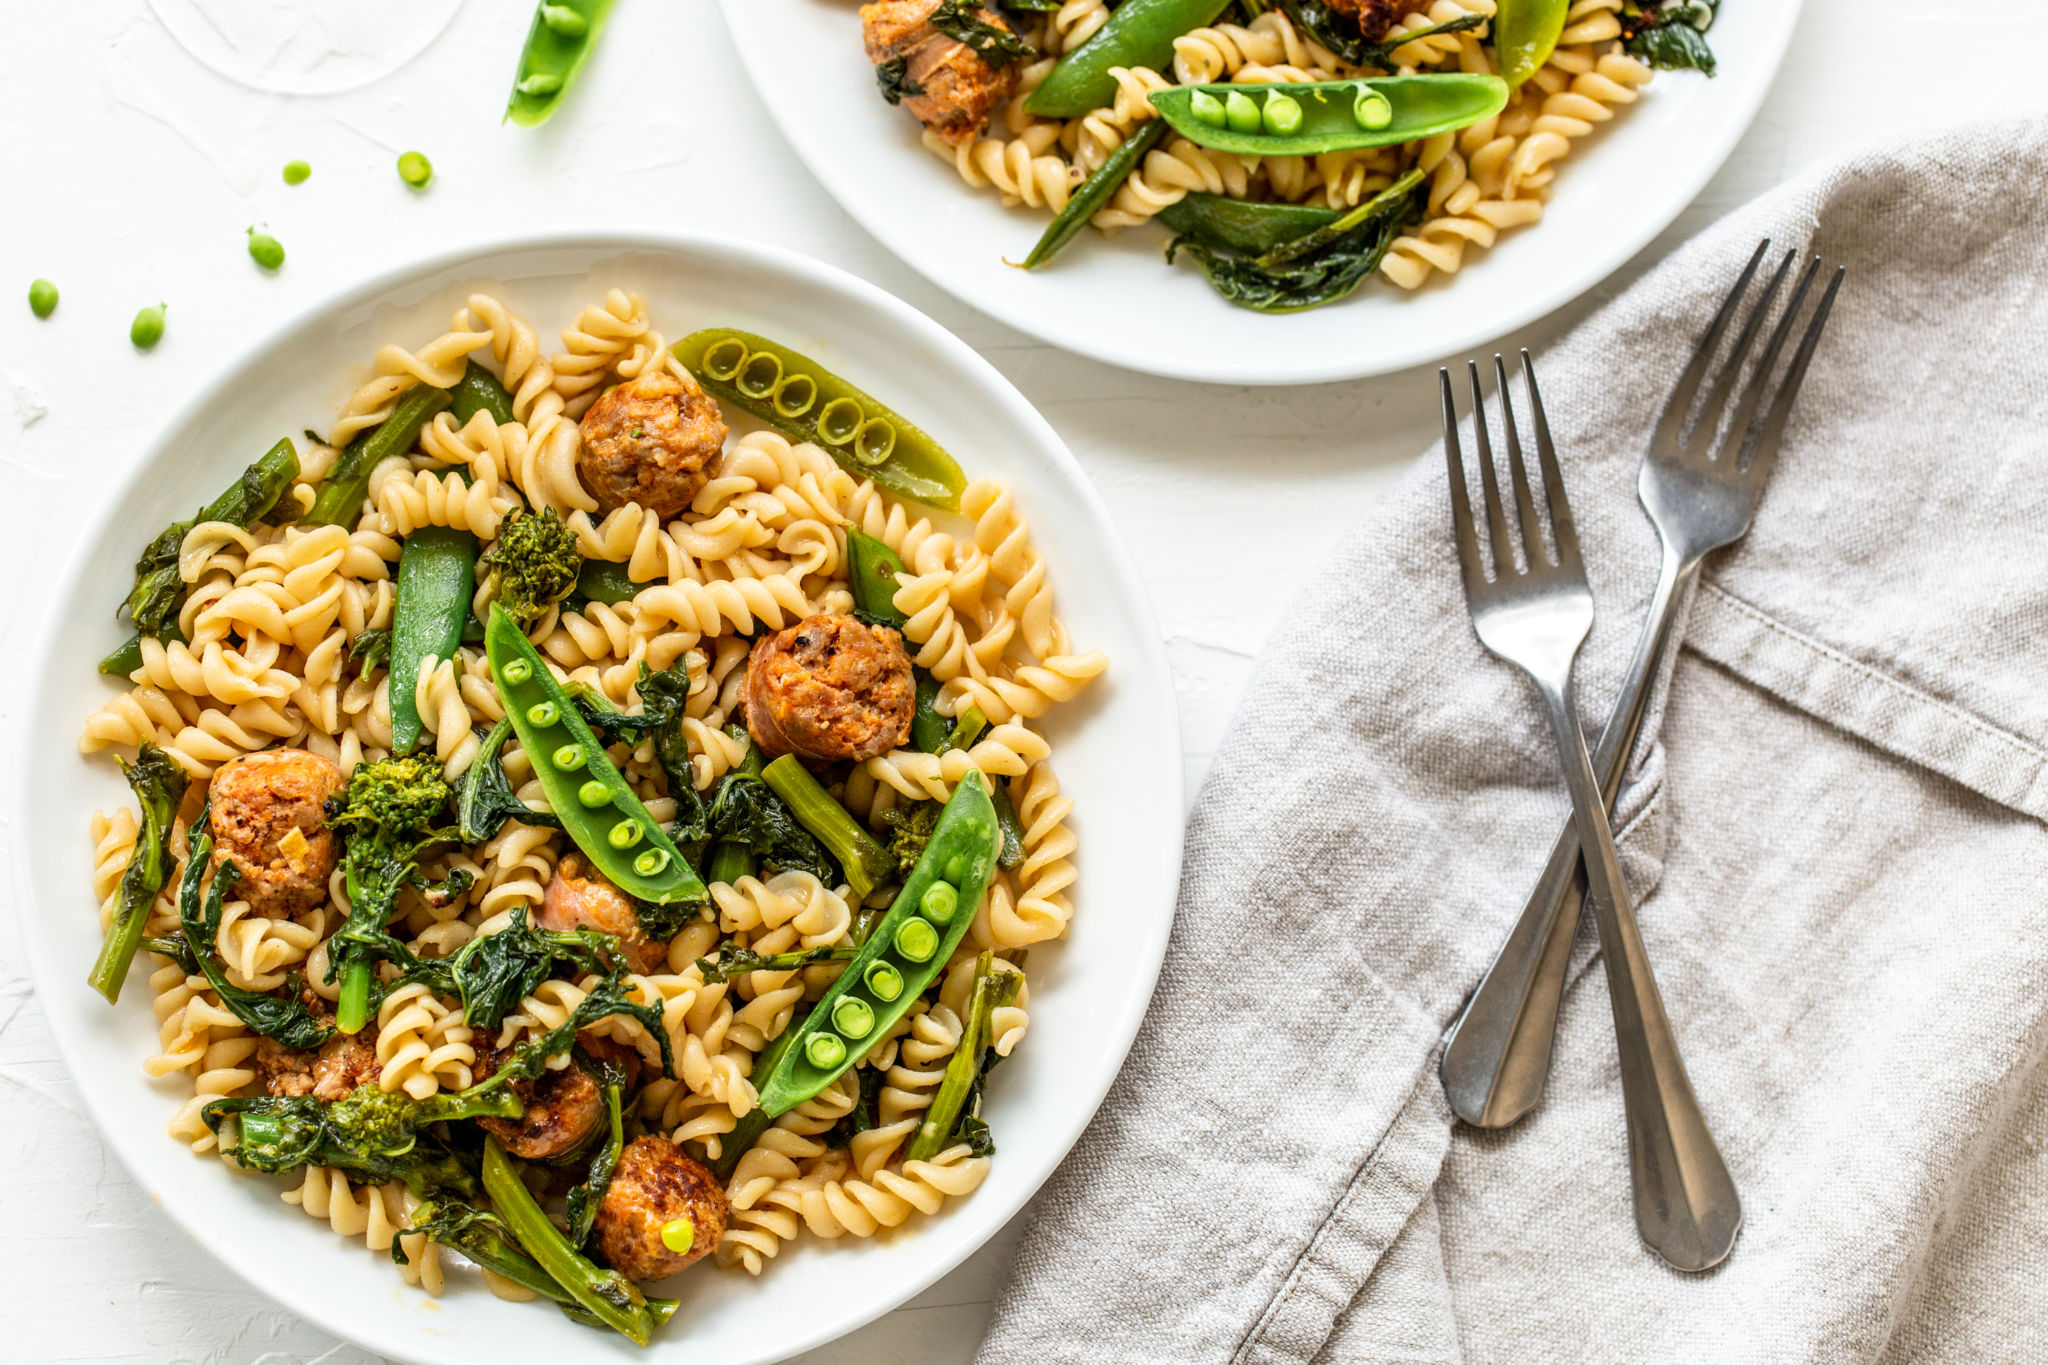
(652, 441)
(655, 1185)
(345, 1062)
(581, 897)
(1375, 17)
(562, 1109)
(956, 88)
(830, 688)
(270, 817)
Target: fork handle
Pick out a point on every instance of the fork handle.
(1498, 1054)
(1686, 1204)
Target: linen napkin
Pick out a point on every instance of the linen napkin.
(1836, 847)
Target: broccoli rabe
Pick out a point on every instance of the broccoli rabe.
(532, 565)
(389, 815)
(368, 1134)
(910, 831)
(159, 782)
(484, 799)
(494, 972)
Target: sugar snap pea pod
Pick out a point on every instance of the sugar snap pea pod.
(348, 482)
(436, 578)
(563, 35)
(872, 568)
(866, 863)
(1246, 225)
(1094, 192)
(600, 580)
(906, 953)
(1138, 33)
(479, 391)
(928, 729)
(993, 989)
(1338, 116)
(596, 807)
(804, 400)
(1525, 33)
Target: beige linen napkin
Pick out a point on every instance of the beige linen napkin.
(1837, 847)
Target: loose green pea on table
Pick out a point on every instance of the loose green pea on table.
(415, 170)
(148, 328)
(297, 172)
(42, 298)
(265, 250)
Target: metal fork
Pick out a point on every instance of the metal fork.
(1535, 614)
(1700, 496)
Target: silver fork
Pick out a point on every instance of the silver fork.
(1700, 497)
(1535, 614)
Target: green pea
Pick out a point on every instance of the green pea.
(540, 83)
(939, 902)
(563, 22)
(955, 870)
(543, 713)
(624, 834)
(824, 1051)
(1372, 110)
(42, 298)
(517, 672)
(415, 170)
(594, 794)
(650, 863)
(885, 981)
(1241, 112)
(1282, 114)
(917, 940)
(265, 250)
(297, 172)
(679, 1235)
(853, 1017)
(570, 757)
(1207, 108)
(148, 328)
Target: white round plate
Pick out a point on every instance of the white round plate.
(1116, 300)
(1117, 751)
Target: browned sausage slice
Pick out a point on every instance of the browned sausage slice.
(581, 897)
(830, 688)
(652, 441)
(655, 1185)
(270, 817)
(957, 88)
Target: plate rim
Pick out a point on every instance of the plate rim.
(1100, 345)
(185, 1209)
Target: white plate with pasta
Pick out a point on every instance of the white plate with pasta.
(1596, 145)
(405, 979)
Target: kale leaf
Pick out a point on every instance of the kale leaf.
(893, 76)
(495, 972)
(484, 799)
(1318, 268)
(282, 1017)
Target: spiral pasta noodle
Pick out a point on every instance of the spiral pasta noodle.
(276, 649)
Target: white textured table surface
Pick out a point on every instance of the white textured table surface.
(130, 170)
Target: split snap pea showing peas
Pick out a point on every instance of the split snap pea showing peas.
(904, 955)
(1328, 116)
(563, 35)
(1138, 33)
(596, 807)
(807, 402)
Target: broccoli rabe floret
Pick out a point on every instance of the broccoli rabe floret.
(369, 1134)
(910, 831)
(389, 814)
(532, 565)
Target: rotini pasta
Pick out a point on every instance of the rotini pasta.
(275, 695)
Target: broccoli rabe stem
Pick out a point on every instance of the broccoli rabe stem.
(993, 988)
(605, 1294)
(159, 783)
(867, 863)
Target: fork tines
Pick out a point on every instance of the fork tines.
(1688, 431)
(1556, 554)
